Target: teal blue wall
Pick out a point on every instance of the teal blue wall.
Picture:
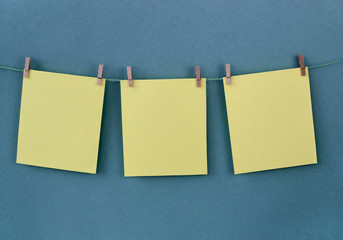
(167, 39)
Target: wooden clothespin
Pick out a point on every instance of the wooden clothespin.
(27, 67)
(302, 65)
(129, 76)
(228, 73)
(198, 77)
(100, 71)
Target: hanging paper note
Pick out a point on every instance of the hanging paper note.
(60, 120)
(164, 127)
(270, 120)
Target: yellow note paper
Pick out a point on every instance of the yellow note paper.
(270, 120)
(60, 119)
(164, 127)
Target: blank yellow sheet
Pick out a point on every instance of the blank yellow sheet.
(164, 127)
(270, 120)
(60, 120)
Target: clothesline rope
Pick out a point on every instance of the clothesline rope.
(208, 79)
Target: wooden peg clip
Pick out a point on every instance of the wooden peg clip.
(302, 65)
(198, 77)
(228, 73)
(129, 76)
(27, 67)
(100, 71)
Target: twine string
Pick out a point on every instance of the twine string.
(208, 79)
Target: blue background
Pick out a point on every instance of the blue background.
(167, 39)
